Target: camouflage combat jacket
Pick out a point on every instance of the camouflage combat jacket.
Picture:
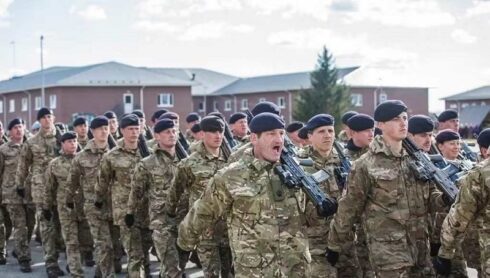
(352, 151)
(9, 158)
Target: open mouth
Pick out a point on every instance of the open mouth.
(276, 149)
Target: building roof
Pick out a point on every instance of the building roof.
(478, 93)
(473, 115)
(273, 83)
(104, 74)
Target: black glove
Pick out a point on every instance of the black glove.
(332, 256)
(129, 220)
(98, 204)
(47, 214)
(70, 205)
(182, 252)
(434, 249)
(21, 192)
(441, 265)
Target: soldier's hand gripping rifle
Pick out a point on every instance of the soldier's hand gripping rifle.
(425, 170)
(293, 176)
(142, 146)
(342, 171)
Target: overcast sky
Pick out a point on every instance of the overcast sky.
(439, 44)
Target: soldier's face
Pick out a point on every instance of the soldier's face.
(452, 124)
(81, 130)
(295, 138)
(131, 133)
(191, 124)
(113, 125)
(484, 152)
(397, 128)
(47, 121)
(363, 138)
(322, 138)
(213, 139)
(70, 146)
(198, 135)
(17, 132)
(100, 134)
(167, 138)
(450, 149)
(240, 127)
(422, 140)
(268, 145)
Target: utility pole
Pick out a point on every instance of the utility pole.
(14, 64)
(42, 73)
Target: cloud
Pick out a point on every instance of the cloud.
(405, 13)
(4, 5)
(91, 13)
(462, 36)
(156, 26)
(184, 8)
(317, 9)
(478, 8)
(212, 30)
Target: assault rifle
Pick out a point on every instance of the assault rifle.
(342, 171)
(142, 146)
(183, 142)
(425, 170)
(180, 151)
(467, 153)
(229, 143)
(293, 176)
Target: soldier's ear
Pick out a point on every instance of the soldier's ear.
(253, 138)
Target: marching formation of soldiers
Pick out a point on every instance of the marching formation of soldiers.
(392, 195)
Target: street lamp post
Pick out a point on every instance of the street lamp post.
(42, 73)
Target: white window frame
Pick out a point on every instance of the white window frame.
(37, 103)
(166, 100)
(244, 104)
(215, 105)
(383, 97)
(1, 106)
(356, 100)
(11, 105)
(228, 105)
(24, 104)
(52, 101)
(453, 106)
(199, 107)
(262, 99)
(283, 104)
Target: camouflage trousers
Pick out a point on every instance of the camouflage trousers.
(215, 258)
(363, 253)
(51, 236)
(5, 228)
(23, 221)
(103, 237)
(484, 237)
(133, 241)
(275, 269)
(406, 272)
(164, 239)
(471, 248)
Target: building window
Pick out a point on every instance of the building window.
(37, 103)
(464, 105)
(453, 106)
(52, 101)
(165, 100)
(383, 97)
(228, 105)
(12, 105)
(281, 102)
(244, 104)
(215, 106)
(201, 106)
(483, 103)
(262, 99)
(24, 104)
(1, 106)
(356, 100)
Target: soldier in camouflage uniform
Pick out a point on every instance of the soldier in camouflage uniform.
(192, 177)
(472, 206)
(113, 124)
(239, 127)
(152, 178)
(197, 134)
(80, 126)
(292, 132)
(35, 155)
(191, 120)
(322, 135)
(392, 204)
(82, 178)
(21, 210)
(345, 134)
(483, 141)
(116, 169)
(55, 193)
(265, 221)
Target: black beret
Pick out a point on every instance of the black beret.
(98, 122)
(212, 124)
(68, 135)
(192, 117)
(43, 112)
(388, 110)
(446, 135)
(377, 131)
(318, 121)
(447, 115)
(157, 114)
(139, 113)
(217, 114)
(347, 115)
(266, 121)
(303, 133)
(266, 106)
(169, 115)
(484, 138)
(196, 128)
(237, 116)
(110, 115)
(360, 122)
(79, 121)
(129, 120)
(163, 124)
(14, 122)
(294, 126)
(420, 124)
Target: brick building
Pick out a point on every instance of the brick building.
(473, 106)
